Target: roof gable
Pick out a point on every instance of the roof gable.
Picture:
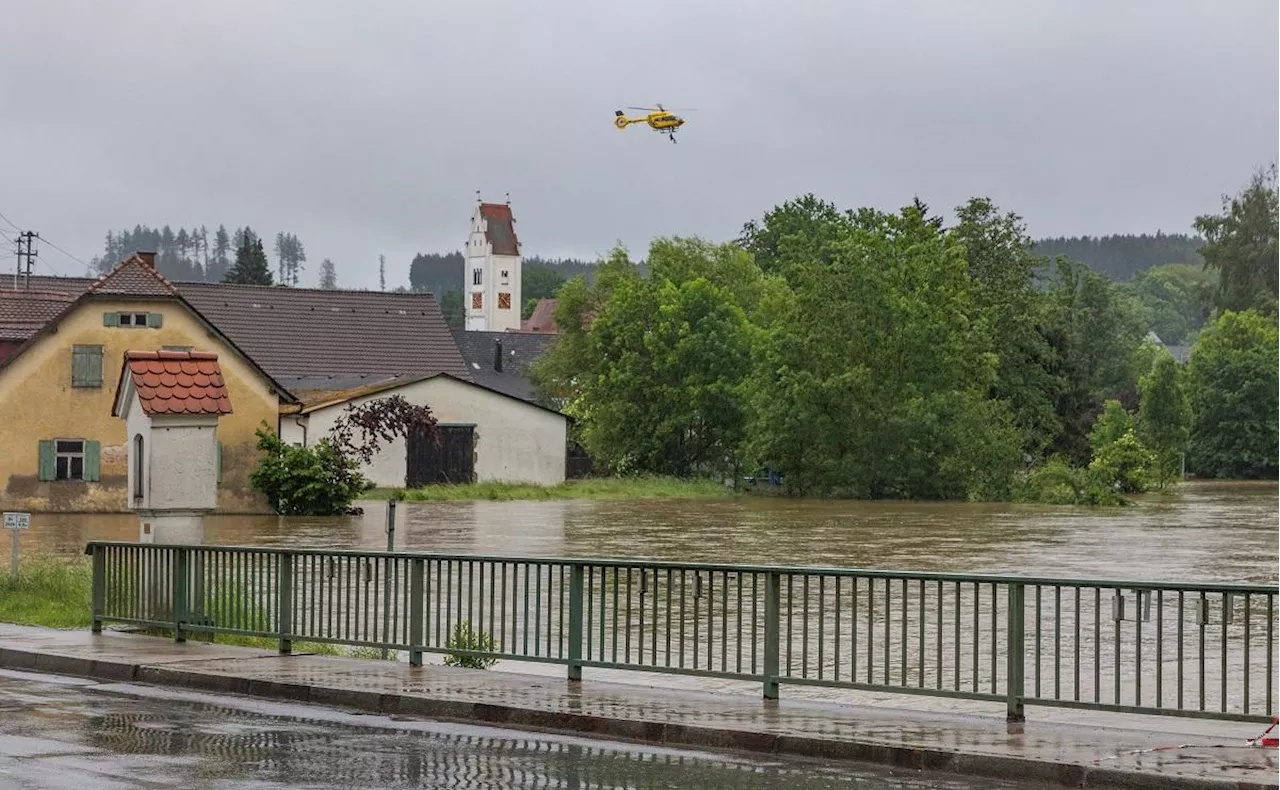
(500, 229)
(543, 318)
(173, 382)
(136, 276)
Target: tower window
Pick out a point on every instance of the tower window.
(475, 276)
(505, 276)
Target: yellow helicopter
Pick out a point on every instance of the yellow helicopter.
(659, 119)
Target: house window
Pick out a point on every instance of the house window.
(69, 459)
(176, 348)
(153, 320)
(475, 276)
(477, 301)
(504, 301)
(138, 466)
(86, 366)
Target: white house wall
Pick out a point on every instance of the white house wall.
(515, 441)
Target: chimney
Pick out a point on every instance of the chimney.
(148, 258)
(497, 356)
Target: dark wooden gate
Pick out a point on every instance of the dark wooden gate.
(450, 459)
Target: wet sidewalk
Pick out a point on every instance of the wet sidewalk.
(1096, 750)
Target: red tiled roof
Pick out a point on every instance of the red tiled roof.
(543, 318)
(500, 228)
(178, 382)
(134, 277)
(23, 313)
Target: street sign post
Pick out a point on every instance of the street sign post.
(16, 522)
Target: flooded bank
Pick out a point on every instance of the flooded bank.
(1201, 532)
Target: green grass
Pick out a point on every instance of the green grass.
(51, 593)
(592, 488)
(57, 593)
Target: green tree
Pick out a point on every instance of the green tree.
(1241, 243)
(1094, 329)
(1164, 418)
(789, 232)
(451, 307)
(220, 263)
(871, 374)
(1003, 268)
(1232, 388)
(328, 275)
(538, 282)
(1177, 299)
(1110, 426)
(251, 267)
(654, 378)
(1121, 467)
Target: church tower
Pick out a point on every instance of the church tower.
(492, 271)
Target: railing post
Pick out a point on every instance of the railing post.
(575, 622)
(772, 639)
(417, 570)
(1015, 664)
(99, 593)
(181, 564)
(284, 604)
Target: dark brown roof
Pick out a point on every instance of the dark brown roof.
(300, 332)
(23, 313)
(518, 349)
(135, 276)
(500, 228)
(177, 382)
(311, 332)
(543, 318)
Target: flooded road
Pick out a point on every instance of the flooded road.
(1201, 532)
(70, 733)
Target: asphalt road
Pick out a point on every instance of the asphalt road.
(68, 733)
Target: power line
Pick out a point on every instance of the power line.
(46, 241)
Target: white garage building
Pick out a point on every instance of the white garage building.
(485, 435)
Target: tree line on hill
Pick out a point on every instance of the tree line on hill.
(1123, 256)
(884, 355)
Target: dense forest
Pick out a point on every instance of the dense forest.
(882, 355)
(1122, 257)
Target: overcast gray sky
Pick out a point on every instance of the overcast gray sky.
(367, 127)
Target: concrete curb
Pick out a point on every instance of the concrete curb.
(648, 732)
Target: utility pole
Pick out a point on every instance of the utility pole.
(26, 250)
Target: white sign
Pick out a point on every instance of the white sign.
(17, 521)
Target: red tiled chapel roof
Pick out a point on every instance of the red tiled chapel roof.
(178, 382)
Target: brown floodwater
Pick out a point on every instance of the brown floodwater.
(1201, 532)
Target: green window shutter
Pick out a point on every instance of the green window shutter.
(111, 319)
(91, 462)
(155, 320)
(219, 462)
(48, 462)
(86, 366)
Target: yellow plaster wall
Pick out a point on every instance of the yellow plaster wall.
(38, 402)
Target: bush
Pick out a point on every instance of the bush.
(307, 481)
(1124, 465)
(464, 638)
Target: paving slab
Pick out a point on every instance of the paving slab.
(1085, 753)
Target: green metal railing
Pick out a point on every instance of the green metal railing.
(1205, 650)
